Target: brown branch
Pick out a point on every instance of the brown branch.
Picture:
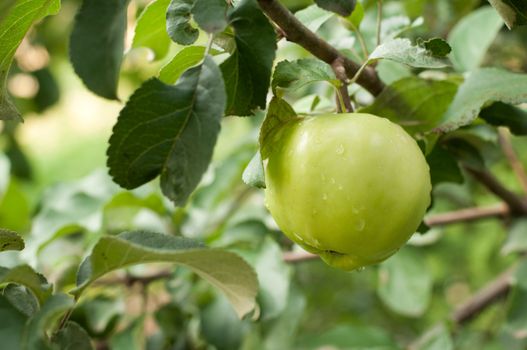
(340, 73)
(294, 257)
(298, 33)
(468, 214)
(504, 137)
(485, 297)
(517, 204)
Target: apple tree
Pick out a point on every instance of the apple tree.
(278, 174)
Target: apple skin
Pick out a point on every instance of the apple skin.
(351, 188)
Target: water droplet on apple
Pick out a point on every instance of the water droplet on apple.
(333, 180)
(360, 225)
(340, 149)
(324, 197)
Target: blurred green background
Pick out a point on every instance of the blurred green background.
(55, 191)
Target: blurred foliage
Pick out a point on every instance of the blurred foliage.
(53, 196)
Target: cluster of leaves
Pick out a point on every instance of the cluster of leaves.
(169, 128)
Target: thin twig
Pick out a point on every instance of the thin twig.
(517, 204)
(467, 214)
(486, 296)
(129, 280)
(298, 33)
(343, 94)
(294, 257)
(504, 137)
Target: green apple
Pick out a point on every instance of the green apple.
(351, 187)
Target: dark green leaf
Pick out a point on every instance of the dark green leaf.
(10, 240)
(472, 36)
(21, 298)
(342, 7)
(279, 113)
(437, 47)
(405, 284)
(513, 12)
(12, 323)
(97, 45)
(25, 276)
(210, 15)
(177, 21)
(169, 131)
(402, 51)
(35, 337)
(254, 175)
(443, 166)
(247, 72)
(502, 114)
(416, 104)
(150, 30)
(222, 269)
(295, 75)
(72, 336)
(483, 86)
(16, 17)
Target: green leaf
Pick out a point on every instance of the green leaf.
(210, 15)
(405, 284)
(186, 58)
(279, 113)
(416, 104)
(482, 87)
(254, 174)
(283, 330)
(513, 12)
(516, 239)
(169, 131)
(443, 166)
(313, 17)
(437, 47)
(222, 269)
(15, 210)
(356, 17)
(97, 45)
(402, 51)
(72, 336)
(247, 72)
(21, 298)
(25, 276)
(12, 323)
(150, 30)
(437, 338)
(15, 22)
(502, 114)
(341, 7)
(5, 7)
(348, 336)
(69, 208)
(35, 337)
(177, 22)
(10, 240)
(471, 37)
(130, 338)
(297, 74)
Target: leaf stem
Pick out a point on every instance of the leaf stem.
(209, 44)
